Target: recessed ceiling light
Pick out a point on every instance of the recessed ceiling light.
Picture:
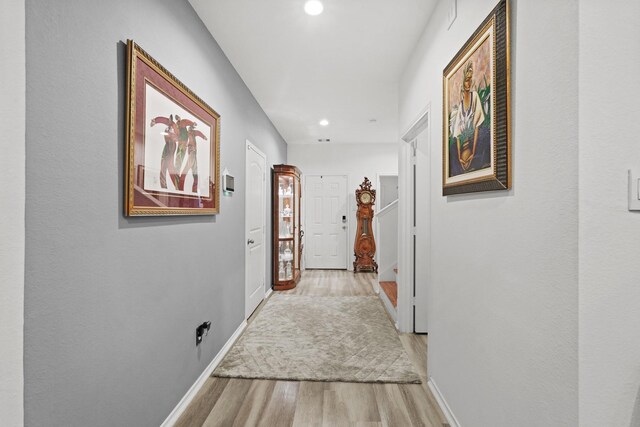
(324, 122)
(313, 7)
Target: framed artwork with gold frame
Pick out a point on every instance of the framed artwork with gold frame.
(476, 152)
(173, 143)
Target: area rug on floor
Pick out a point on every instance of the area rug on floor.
(348, 339)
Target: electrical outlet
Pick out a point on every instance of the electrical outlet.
(202, 331)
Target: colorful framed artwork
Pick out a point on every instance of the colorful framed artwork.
(476, 152)
(173, 143)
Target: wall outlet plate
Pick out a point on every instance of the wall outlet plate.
(634, 191)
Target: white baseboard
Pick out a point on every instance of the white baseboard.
(442, 403)
(393, 312)
(186, 400)
(268, 293)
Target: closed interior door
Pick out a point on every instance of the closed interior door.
(255, 259)
(326, 221)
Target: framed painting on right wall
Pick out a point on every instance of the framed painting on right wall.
(476, 152)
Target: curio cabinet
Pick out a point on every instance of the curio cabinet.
(287, 233)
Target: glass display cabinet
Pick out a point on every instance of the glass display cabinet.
(287, 233)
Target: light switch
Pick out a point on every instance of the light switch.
(634, 191)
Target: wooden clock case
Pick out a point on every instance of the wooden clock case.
(364, 247)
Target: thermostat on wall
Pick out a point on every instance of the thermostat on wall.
(228, 183)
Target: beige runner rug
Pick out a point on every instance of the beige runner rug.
(293, 337)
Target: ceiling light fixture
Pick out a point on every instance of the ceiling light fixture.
(313, 7)
(324, 122)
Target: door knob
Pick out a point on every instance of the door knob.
(344, 227)
(250, 241)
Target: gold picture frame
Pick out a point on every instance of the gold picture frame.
(173, 143)
(476, 151)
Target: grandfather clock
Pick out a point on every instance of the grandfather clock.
(364, 247)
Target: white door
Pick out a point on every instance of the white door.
(326, 221)
(255, 213)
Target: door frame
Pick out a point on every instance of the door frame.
(376, 232)
(266, 244)
(305, 210)
(406, 228)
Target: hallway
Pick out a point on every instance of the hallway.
(532, 303)
(241, 402)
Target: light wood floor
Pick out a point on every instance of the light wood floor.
(240, 402)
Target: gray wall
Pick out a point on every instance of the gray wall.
(609, 232)
(111, 303)
(503, 274)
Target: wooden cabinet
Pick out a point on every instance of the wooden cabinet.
(287, 233)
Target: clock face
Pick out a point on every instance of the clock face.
(365, 198)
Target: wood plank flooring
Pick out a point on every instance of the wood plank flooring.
(240, 402)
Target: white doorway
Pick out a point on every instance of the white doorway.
(326, 221)
(414, 245)
(255, 213)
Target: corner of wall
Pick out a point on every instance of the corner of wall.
(12, 211)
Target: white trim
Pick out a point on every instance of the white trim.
(404, 309)
(268, 293)
(252, 147)
(388, 306)
(418, 125)
(387, 208)
(186, 400)
(442, 403)
(405, 220)
(452, 13)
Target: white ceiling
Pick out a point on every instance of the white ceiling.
(343, 65)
